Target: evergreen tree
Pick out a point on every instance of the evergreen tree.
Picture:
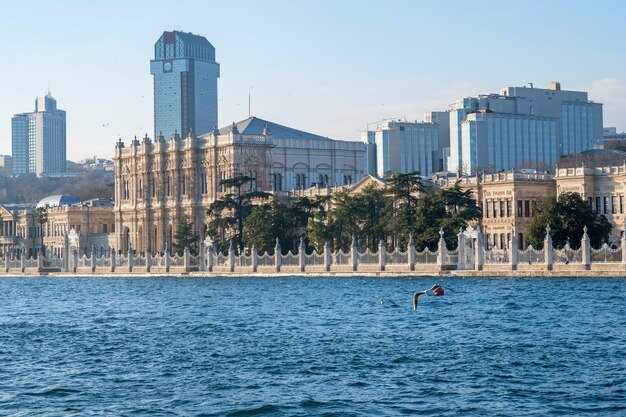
(227, 214)
(267, 222)
(567, 218)
(404, 190)
(448, 210)
(185, 238)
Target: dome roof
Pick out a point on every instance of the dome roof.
(59, 200)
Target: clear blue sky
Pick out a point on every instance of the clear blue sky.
(329, 67)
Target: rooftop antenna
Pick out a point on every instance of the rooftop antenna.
(249, 89)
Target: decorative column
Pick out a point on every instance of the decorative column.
(255, 258)
(66, 253)
(513, 250)
(302, 253)
(210, 258)
(411, 253)
(460, 248)
(93, 259)
(623, 244)
(202, 254)
(328, 256)
(39, 261)
(586, 249)
(112, 255)
(74, 260)
(382, 251)
(187, 259)
(277, 256)
(479, 250)
(148, 260)
(167, 258)
(23, 259)
(354, 254)
(547, 247)
(441, 251)
(131, 255)
(231, 257)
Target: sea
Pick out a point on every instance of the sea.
(314, 346)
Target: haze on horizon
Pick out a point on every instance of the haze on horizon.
(317, 66)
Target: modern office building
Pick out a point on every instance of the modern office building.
(522, 127)
(39, 140)
(185, 84)
(396, 146)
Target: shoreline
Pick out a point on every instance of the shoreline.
(383, 274)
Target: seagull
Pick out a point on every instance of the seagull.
(435, 291)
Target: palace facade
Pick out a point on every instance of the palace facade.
(157, 182)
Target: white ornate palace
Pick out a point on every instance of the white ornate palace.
(157, 182)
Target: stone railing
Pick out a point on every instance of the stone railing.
(469, 255)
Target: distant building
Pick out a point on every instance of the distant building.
(185, 84)
(396, 146)
(522, 127)
(39, 140)
(613, 139)
(90, 222)
(6, 164)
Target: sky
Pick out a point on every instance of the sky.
(327, 67)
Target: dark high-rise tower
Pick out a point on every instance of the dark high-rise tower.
(185, 84)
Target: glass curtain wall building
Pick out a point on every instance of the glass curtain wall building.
(522, 127)
(401, 147)
(39, 139)
(185, 84)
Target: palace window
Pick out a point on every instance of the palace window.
(488, 210)
(323, 180)
(203, 183)
(519, 208)
(621, 204)
(613, 204)
(598, 205)
(277, 182)
(501, 208)
(252, 183)
(168, 186)
(526, 208)
(347, 180)
(300, 182)
(495, 208)
(508, 208)
(606, 205)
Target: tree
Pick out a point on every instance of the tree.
(228, 213)
(448, 210)
(371, 212)
(270, 221)
(184, 237)
(404, 188)
(41, 218)
(567, 218)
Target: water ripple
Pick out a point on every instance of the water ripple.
(311, 347)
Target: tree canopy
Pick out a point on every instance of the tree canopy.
(567, 218)
(227, 213)
(184, 237)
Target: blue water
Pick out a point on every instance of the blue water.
(311, 347)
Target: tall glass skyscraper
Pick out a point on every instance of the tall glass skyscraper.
(38, 139)
(185, 84)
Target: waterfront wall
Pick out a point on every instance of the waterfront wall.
(469, 257)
